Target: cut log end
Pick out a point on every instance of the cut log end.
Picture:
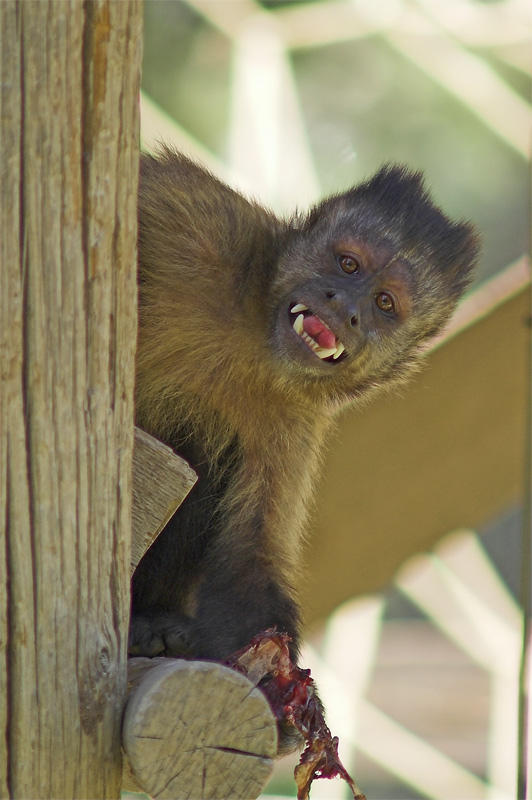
(196, 729)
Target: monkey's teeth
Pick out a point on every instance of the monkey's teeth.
(298, 325)
(323, 353)
(339, 350)
(297, 308)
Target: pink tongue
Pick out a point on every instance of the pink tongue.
(322, 335)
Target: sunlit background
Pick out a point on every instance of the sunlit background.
(290, 101)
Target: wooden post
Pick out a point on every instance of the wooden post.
(69, 82)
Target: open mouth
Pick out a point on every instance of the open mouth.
(316, 334)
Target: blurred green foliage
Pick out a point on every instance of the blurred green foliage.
(363, 104)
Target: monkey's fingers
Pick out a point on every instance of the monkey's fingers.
(143, 641)
(159, 634)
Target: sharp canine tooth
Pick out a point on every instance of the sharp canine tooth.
(325, 353)
(339, 350)
(298, 325)
(298, 307)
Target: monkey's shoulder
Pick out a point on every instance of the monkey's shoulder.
(172, 186)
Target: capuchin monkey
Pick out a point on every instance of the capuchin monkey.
(254, 332)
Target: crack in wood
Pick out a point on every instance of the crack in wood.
(235, 751)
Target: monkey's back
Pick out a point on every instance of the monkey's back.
(203, 252)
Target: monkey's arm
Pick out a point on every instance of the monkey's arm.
(244, 563)
(252, 565)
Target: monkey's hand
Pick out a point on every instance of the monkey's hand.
(159, 634)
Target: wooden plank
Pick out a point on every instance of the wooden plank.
(161, 481)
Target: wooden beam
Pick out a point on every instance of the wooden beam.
(161, 481)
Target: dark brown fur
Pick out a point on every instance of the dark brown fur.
(222, 377)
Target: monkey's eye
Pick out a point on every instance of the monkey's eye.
(385, 302)
(348, 264)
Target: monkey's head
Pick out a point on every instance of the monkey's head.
(366, 278)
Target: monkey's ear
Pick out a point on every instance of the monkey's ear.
(452, 246)
(460, 253)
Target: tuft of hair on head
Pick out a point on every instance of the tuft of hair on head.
(395, 207)
(398, 198)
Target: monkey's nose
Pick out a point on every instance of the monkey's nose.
(344, 305)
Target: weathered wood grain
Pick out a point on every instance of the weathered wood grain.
(196, 729)
(69, 82)
(161, 481)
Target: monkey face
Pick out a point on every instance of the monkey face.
(342, 310)
(366, 278)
